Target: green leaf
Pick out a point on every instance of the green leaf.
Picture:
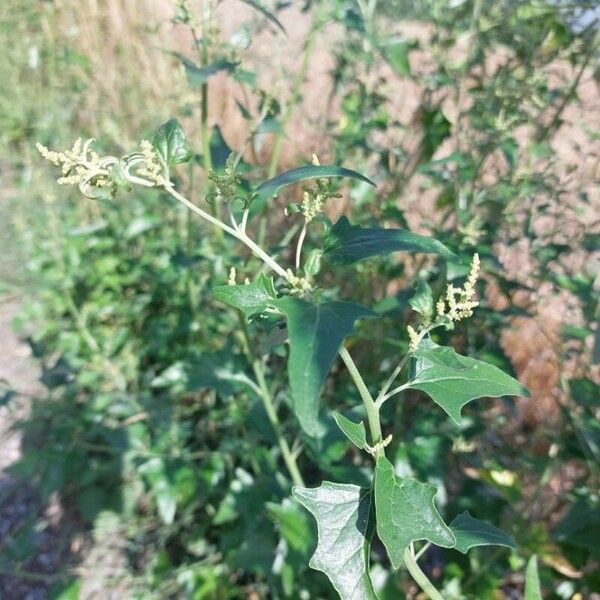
(533, 589)
(293, 524)
(342, 515)
(269, 188)
(316, 332)
(452, 380)
(470, 532)
(251, 298)
(355, 432)
(422, 301)
(198, 76)
(263, 11)
(396, 54)
(165, 495)
(346, 244)
(171, 144)
(405, 513)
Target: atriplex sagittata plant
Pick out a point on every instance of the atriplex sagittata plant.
(401, 510)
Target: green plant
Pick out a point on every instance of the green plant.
(292, 306)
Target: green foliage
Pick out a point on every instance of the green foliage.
(532, 580)
(270, 188)
(452, 380)
(316, 333)
(355, 432)
(470, 532)
(180, 426)
(346, 244)
(342, 513)
(406, 513)
(170, 143)
(251, 298)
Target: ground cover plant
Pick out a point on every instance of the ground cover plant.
(253, 364)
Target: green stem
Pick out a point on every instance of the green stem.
(420, 577)
(295, 97)
(267, 401)
(370, 407)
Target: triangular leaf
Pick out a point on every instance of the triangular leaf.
(533, 590)
(405, 513)
(171, 144)
(470, 532)
(453, 380)
(355, 432)
(342, 515)
(269, 188)
(251, 298)
(316, 332)
(346, 244)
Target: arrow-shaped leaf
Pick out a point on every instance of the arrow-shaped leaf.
(251, 298)
(316, 332)
(342, 515)
(346, 243)
(453, 380)
(355, 432)
(470, 532)
(405, 513)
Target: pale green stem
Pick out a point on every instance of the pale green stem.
(420, 577)
(299, 245)
(235, 232)
(371, 408)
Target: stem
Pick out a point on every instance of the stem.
(299, 246)
(371, 408)
(235, 232)
(267, 400)
(420, 577)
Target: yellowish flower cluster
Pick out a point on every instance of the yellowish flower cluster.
(312, 200)
(153, 169)
(413, 337)
(80, 165)
(312, 205)
(232, 276)
(460, 302)
(299, 286)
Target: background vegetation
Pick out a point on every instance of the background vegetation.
(147, 468)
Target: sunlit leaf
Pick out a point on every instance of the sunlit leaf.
(452, 380)
(533, 589)
(405, 513)
(342, 515)
(251, 298)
